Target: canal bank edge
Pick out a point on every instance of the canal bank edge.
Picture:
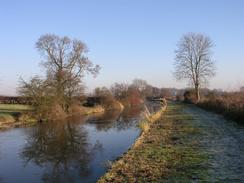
(25, 120)
(171, 150)
(8, 121)
(145, 126)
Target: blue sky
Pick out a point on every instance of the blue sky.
(127, 38)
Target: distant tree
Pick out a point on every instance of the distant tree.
(193, 60)
(166, 92)
(119, 90)
(140, 84)
(134, 96)
(105, 96)
(242, 89)
(149, 91)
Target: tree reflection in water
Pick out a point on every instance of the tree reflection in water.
(62, 149)
(117, 119)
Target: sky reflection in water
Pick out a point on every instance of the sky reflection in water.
(75, 150)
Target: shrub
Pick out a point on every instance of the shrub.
(231, 105)
(190, 96)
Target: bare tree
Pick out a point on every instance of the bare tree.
(193, 60)
(106, 97)
(119, 90)
(242, 89)
(39, 92)
(140, 84)
(66, 63)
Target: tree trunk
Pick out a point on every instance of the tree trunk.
(197, 93)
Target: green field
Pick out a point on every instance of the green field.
(14, 108)
(9, 112)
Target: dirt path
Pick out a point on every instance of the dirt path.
(224, 141)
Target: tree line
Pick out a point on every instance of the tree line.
(133, 94)
(65, 63)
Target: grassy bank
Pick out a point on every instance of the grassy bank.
(15, 115)
(6, 118)
(167, 151)
(91, 110)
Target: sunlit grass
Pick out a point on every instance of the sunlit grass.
(6, 117)
(14, 107)
(10, 113)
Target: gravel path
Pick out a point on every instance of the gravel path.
(224, 141)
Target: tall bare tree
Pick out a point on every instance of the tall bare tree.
(66, 63)
(193, 60)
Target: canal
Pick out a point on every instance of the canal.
(78, 149)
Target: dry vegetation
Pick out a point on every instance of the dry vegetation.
(231, 105)
(15, 115)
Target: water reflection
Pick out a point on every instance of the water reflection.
(61, 148)
(106, 121)
(74, 150)
(117, 119)
(132, 113)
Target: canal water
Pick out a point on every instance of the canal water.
(79, 149)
